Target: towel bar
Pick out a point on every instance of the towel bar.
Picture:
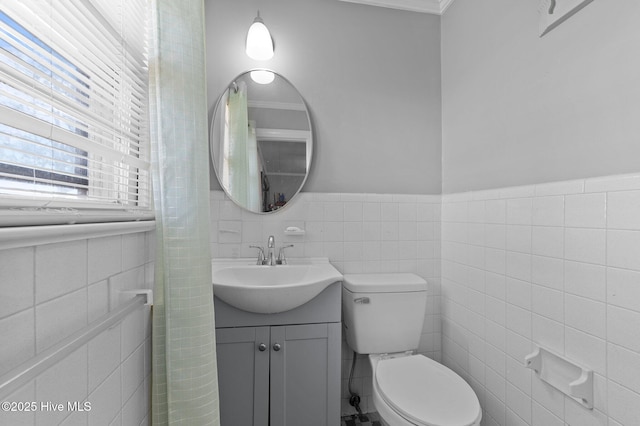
(30, 369)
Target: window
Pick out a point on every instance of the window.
(74, 137)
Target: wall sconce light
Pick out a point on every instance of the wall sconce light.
(259, 44)
(262, 76)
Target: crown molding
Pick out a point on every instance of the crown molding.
(277, 105)
(435, 7)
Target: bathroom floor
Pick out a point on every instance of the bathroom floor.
(368, 419)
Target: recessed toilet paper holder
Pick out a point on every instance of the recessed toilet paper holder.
(568, 377)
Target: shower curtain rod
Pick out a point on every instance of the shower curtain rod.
(30, 369)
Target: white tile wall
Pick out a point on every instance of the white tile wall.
(556, 265)
(358, 233)
(52, 290)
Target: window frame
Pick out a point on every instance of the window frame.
(82, 163)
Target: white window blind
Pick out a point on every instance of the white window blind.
(74, 128)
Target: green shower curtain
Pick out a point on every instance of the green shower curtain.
(240, 168)
(184, 371)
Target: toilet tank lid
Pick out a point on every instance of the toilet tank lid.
(384, 283)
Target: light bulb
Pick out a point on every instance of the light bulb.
(262, 76)
(259, 44)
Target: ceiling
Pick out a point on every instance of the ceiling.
(436, 7)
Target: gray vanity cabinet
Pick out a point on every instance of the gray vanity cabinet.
(303, 374)
(286, 373)
(243, 376)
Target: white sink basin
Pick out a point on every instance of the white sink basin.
(271, 289)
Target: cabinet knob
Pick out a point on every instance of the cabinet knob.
(262, 347)
(276, 347)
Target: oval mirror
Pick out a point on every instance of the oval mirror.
(261, 141)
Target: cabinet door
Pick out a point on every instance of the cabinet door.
(243, 376)
(305, 375)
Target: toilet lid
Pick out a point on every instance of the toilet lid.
(426, 392)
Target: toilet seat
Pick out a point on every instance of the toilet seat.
(426, 392)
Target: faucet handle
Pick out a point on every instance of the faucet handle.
(282, 260)
(261, 257)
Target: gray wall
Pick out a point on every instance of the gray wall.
(519, 109)
(370, 76)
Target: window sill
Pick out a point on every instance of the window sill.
(27, 236)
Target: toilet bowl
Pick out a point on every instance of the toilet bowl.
(413, 390)
(383, 316)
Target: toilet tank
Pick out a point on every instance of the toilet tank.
(383, 313)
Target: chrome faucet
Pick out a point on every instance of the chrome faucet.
(271, 244)
(260, 260)
(269, 258)
(282, 260)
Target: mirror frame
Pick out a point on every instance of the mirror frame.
(286, 134)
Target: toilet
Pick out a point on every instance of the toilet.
(382, 317)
